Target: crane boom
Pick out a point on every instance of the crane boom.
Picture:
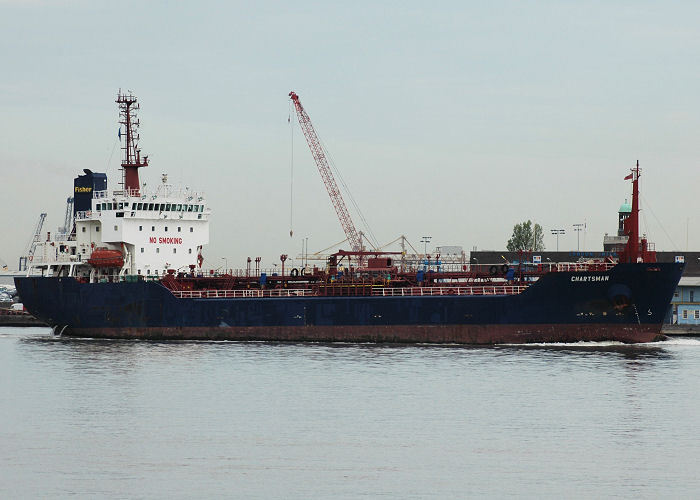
(36, 236)
(327, 175)
(68, 222)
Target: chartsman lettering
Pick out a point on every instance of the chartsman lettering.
(589, 278)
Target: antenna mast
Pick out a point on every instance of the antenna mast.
(132, 160)
(631, 225)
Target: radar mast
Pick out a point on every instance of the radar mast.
(131, 161)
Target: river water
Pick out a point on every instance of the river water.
(134, 419)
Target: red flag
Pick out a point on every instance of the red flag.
(628, 177)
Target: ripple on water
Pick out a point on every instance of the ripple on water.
(98, 417)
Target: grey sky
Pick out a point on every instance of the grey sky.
(449, 119)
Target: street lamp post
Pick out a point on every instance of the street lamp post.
(578, 228)
(557, 232)
(426, 240)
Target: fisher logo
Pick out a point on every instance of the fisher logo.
(80, 189)
(590, 278)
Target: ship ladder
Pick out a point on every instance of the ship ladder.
(636, 313)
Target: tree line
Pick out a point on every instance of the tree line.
(526, 236)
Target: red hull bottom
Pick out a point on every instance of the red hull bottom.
(437, 334)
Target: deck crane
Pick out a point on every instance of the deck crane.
(324, 168)
(29, 253)
(67, 228)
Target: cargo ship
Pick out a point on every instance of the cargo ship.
(132, 267)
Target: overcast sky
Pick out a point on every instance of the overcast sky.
(449, 119)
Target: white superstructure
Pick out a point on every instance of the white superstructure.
(163, 228)
(136, 230)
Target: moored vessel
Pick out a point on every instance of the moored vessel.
(132, 268)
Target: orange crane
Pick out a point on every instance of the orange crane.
(324, 168)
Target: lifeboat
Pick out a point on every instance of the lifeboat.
(103, 257)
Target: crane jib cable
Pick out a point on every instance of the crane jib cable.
(320, 156)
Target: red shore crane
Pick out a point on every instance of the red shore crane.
(324, 168)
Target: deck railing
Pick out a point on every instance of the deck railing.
(376, 291)
(582, 266)
(449, 290)
(230, 294)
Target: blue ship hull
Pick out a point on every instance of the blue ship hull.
(627, 303)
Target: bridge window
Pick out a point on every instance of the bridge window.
(150, 206)
(685, 314)
(167, 207)
(97, 229)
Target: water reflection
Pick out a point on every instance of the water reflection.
(99, 349)
(403, 421)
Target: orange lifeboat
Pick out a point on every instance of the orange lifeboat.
(103, 257)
